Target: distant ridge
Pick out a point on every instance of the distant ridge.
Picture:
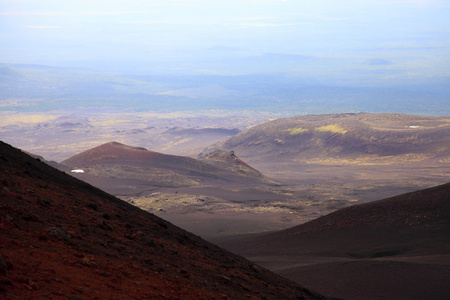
(362, 138)
(9, 72)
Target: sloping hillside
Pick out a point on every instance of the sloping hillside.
(344, 138)
(64, 239)
(429, 208)
(117, 153)
(383, 245)
(413, 214)
(115, 160)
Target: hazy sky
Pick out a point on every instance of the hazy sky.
(414, 34)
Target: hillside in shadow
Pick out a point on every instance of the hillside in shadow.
(366, 251)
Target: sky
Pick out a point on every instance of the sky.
(199, 36)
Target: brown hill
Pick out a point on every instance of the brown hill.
(407, 235)
(143, 167)
(64, 239)
(351, 138)
(114, 152)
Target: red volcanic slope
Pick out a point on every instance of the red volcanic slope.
(64, 239)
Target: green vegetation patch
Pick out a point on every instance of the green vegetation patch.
(294, 131)
(332, 128)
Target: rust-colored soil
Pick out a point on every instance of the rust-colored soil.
(63, 239)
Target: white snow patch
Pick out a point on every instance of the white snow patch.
(77, 171)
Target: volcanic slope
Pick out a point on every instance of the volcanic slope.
(64, 239)
(396, 248)
(115, 160)
(343, 138)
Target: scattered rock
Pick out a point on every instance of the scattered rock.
(89, 262)
(4, 265)
(4, 283)
(161, 223)
(105, 226)
(31, 217)
(44, 202)
(185, 273)
(148, 241)
(92, 205)
(60, 233)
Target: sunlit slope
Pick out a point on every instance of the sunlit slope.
(344, 138)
